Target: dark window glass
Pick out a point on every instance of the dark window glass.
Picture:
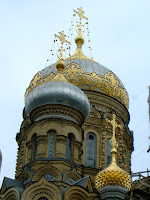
(34, 146)
(35, 149)
(108, 152)
(69, 147)
(91, 137)
(91, 150)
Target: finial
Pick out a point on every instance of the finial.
(62, 39)
(80, 13)
(60, 64)
(113, 141)
(113, 174)
(79, 40)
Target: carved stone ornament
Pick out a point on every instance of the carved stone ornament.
(71, 176)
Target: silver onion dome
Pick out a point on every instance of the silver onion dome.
(56, 93)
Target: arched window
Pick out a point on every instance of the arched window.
(69, 147)
(108, 152)
(91, 150)
(42, 198)
(34, 146)
(51, 143)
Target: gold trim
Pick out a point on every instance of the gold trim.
(62, 39)
(107, 84)
(79, 55)
(80, 13)
(113, 175)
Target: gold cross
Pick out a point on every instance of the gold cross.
(114, 124)
(62, 39)
(80, 13)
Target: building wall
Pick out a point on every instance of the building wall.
(102, 107)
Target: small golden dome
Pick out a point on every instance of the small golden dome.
(60, 66)
(79, 40)
(113, 175)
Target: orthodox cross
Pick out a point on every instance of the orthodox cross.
(62, 39)
(114, 124)
(80, 13)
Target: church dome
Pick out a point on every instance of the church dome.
(84, 73)
(58, 92)
(113, 175)
(87, 75)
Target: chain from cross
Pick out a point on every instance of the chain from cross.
(80, 13)
(114, 124)
(62, 39)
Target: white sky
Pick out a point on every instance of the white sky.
(120, 35)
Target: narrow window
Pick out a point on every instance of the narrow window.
(108, 152)
(70, 147)
(34, 146)
(91, 150)
(51, 144)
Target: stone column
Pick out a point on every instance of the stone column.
(41, 147)
(77, 150)
(29, 151)
(61, 146)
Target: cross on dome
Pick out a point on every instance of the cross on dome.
(80, 13)
(62, 39)
(114, 124)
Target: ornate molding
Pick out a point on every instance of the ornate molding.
(71, 175)
(56, 110)
(47, 169)
(108, 84)
(42, 188)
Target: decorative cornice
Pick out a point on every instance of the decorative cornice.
(54, 110)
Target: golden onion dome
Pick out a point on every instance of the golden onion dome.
(113, 175)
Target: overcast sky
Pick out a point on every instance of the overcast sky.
(120, 35)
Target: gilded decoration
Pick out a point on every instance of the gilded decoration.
(108, 84)
(113, 175)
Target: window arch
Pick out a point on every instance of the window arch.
(91, 150)
(42, 198)
(51, 143)
(108, 152)
(34, 146)
(70, 147)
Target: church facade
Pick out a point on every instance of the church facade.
(65, 138)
